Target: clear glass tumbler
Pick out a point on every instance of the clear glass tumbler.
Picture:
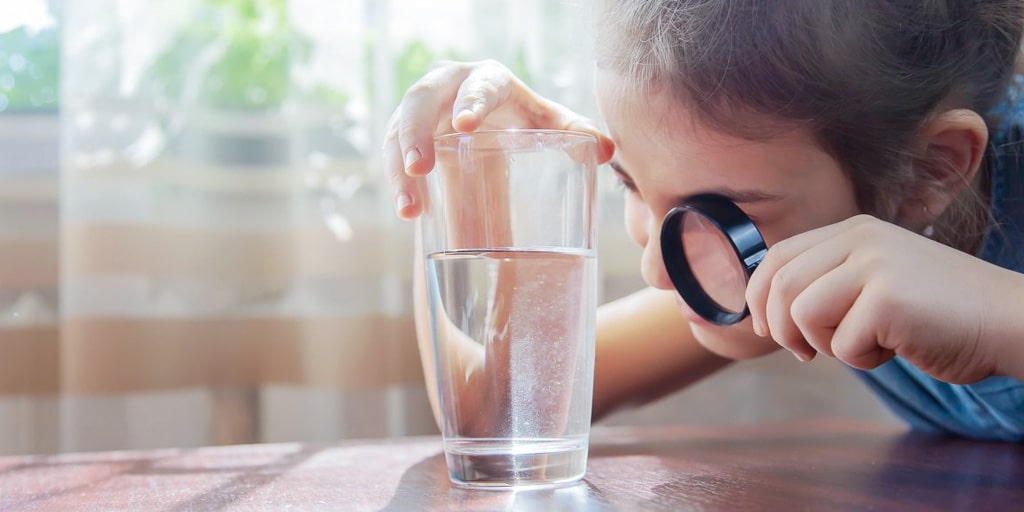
(509, 240)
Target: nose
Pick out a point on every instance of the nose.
(652, 264)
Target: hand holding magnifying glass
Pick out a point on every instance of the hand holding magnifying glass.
(710, 248)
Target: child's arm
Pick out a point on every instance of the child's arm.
(644, 350)
(1005, 329)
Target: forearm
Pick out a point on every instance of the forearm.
(1005, 330)
(645, 350)
(465, 356)
(1013, 364)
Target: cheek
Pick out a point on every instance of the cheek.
(813, 213)
(637, 217)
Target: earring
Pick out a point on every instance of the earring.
(929, 230)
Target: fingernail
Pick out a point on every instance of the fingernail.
(402, 201)
(411, 157)
(464, 113)
(801, 357)
(759, 329)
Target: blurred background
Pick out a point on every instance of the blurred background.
(196, 241)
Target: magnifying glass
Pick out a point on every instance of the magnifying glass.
(710, 248)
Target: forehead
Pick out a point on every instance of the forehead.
(658, 137)
(655, 114)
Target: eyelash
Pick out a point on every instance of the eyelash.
(626, 186)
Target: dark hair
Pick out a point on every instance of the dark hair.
(862, 75)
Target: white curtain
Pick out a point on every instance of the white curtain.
(230, 266)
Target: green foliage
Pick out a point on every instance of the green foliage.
(521, 67)
(236, 56)
(412, 63)
(29, 69)
(416, 59)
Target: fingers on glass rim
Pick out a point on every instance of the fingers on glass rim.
(484, 89)
(421, 111)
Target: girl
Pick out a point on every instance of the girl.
(874, 145)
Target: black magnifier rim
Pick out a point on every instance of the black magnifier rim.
(746, 241)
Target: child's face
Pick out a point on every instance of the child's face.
(787, 184)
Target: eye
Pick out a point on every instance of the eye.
(624, 184)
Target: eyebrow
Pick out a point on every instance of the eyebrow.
(734, 195)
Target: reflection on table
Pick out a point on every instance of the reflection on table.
(819, 465)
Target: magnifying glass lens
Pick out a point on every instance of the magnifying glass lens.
(710, 248)
(714, 262)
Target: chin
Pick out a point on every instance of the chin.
(732, 342)
(691, 316)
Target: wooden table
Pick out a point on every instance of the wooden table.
(822, 465)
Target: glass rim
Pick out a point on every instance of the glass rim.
(572, 136)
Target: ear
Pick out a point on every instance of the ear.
(951, 146)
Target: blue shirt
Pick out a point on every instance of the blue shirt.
(992, 408)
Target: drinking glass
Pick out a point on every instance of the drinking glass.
(509, 240)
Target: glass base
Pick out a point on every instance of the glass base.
(515, 463)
